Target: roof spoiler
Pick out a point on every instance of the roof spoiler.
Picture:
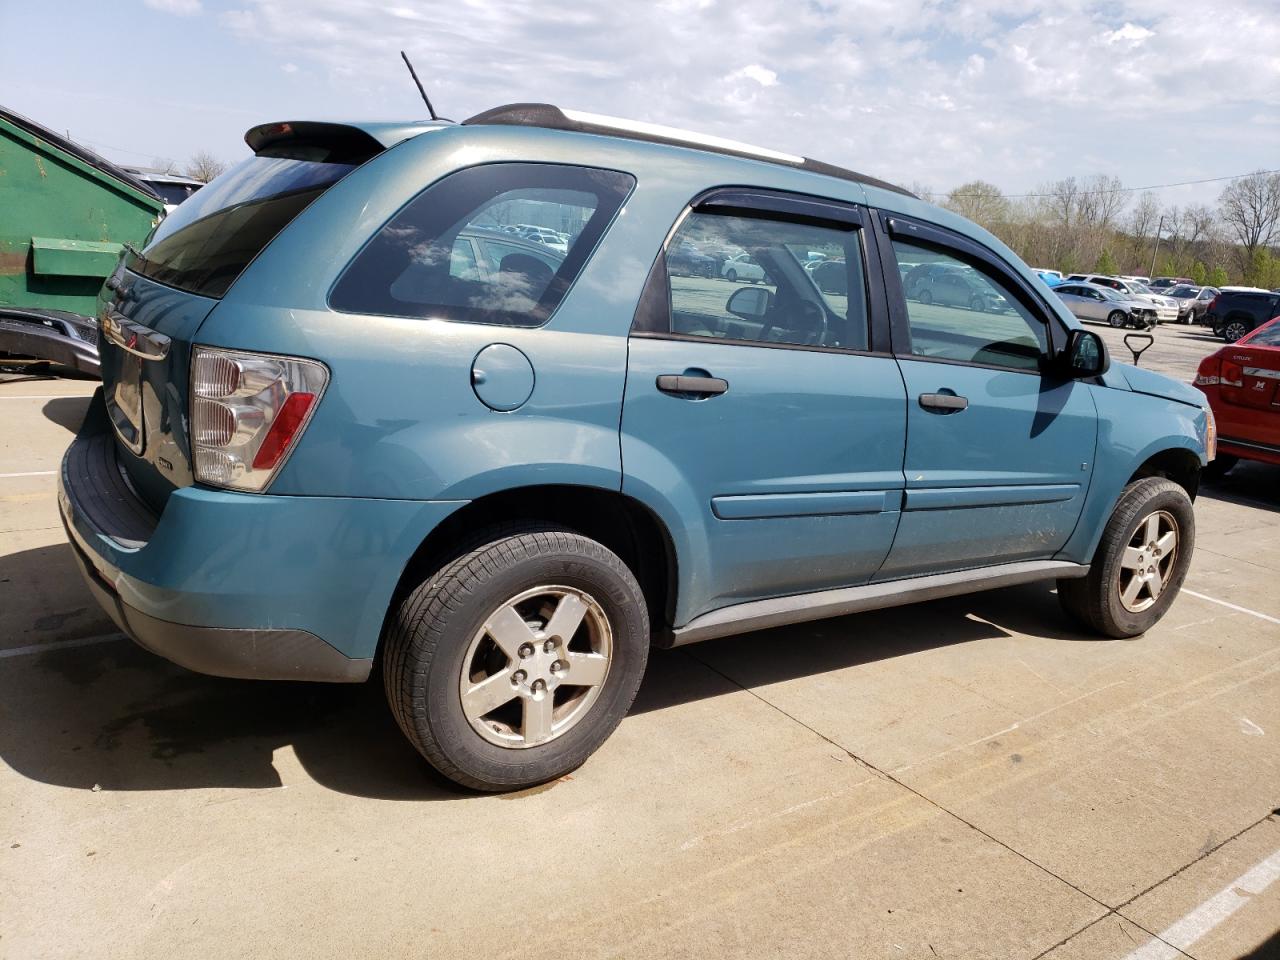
(311, 140)
(551, 117)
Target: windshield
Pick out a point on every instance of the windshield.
(205, 244)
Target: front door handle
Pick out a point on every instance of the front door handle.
(696, 386)
(943, 402)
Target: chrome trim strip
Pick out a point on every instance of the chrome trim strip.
(134, 338)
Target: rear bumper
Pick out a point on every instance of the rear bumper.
(239, 585)
(50, 335)
(224, 651)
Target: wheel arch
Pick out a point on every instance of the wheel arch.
(620, 522)
(1179, 464)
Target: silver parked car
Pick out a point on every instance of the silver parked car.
(1090, 301)
(1166, 308)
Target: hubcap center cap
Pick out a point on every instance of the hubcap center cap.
(539, 678)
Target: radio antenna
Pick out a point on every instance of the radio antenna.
(425, 99)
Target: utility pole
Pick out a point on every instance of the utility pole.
(1152, 274)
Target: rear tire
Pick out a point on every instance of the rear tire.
(471, 657)
(1120, 598)
(925, 297)
(1233, 330)
(732, 276)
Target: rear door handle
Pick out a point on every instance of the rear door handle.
(943, 402)
(700, 386)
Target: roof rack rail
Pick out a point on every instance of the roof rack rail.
(554, 118)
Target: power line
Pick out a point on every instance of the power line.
(1091, 193)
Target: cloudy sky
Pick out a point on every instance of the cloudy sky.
(930, 92)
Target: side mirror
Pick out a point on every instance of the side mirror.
(749, 303)
(1086, 355)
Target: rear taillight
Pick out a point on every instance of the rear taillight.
(1209, 372)
(1232, 374)
(247, 412)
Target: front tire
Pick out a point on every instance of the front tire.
(1117, 318)
(925, 297)
(512, 664)
(1140, 562)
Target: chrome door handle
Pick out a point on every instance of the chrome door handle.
(943, 402)
(698, 386)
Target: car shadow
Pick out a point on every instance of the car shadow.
(110, 716)
(1249, 484)
(67, 412)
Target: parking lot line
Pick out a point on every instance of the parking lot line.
(1172, 941)
(48, 396)
(32, 473)
(1253, 613)
(59, 645)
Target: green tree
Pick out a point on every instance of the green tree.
(1106, 263)
(1199, 273)
(1218, 277)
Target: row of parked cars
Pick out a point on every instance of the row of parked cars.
(1231, 311)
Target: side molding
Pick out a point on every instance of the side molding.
(763, 614)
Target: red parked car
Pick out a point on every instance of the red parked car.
(1242, 382)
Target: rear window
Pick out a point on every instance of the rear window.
(449, 253)
(206, 243)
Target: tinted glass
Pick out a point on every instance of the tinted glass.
(1266, 336)
(975, 320)
(413, 267)
(212, 236)
(773, 299)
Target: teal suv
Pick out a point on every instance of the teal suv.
(428, 400)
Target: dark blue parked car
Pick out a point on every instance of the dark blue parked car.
(341, 425)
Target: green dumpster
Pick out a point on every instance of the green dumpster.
(65, 212)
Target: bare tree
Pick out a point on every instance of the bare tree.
(1100, 201)
(204, 166)
(1250, 207)
(981, 202)
(165, 165)
(1197, 222)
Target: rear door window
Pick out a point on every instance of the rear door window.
(208, 240)
(410, 267)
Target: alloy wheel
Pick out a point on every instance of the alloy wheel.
(536, 666)
(1148, 561)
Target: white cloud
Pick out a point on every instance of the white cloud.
(761, 75)
(180, 8)
(1130, 35)
(289, 67)
(939, 91)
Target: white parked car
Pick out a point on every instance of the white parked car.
(742, 267)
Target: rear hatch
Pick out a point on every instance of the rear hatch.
(152, 307)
